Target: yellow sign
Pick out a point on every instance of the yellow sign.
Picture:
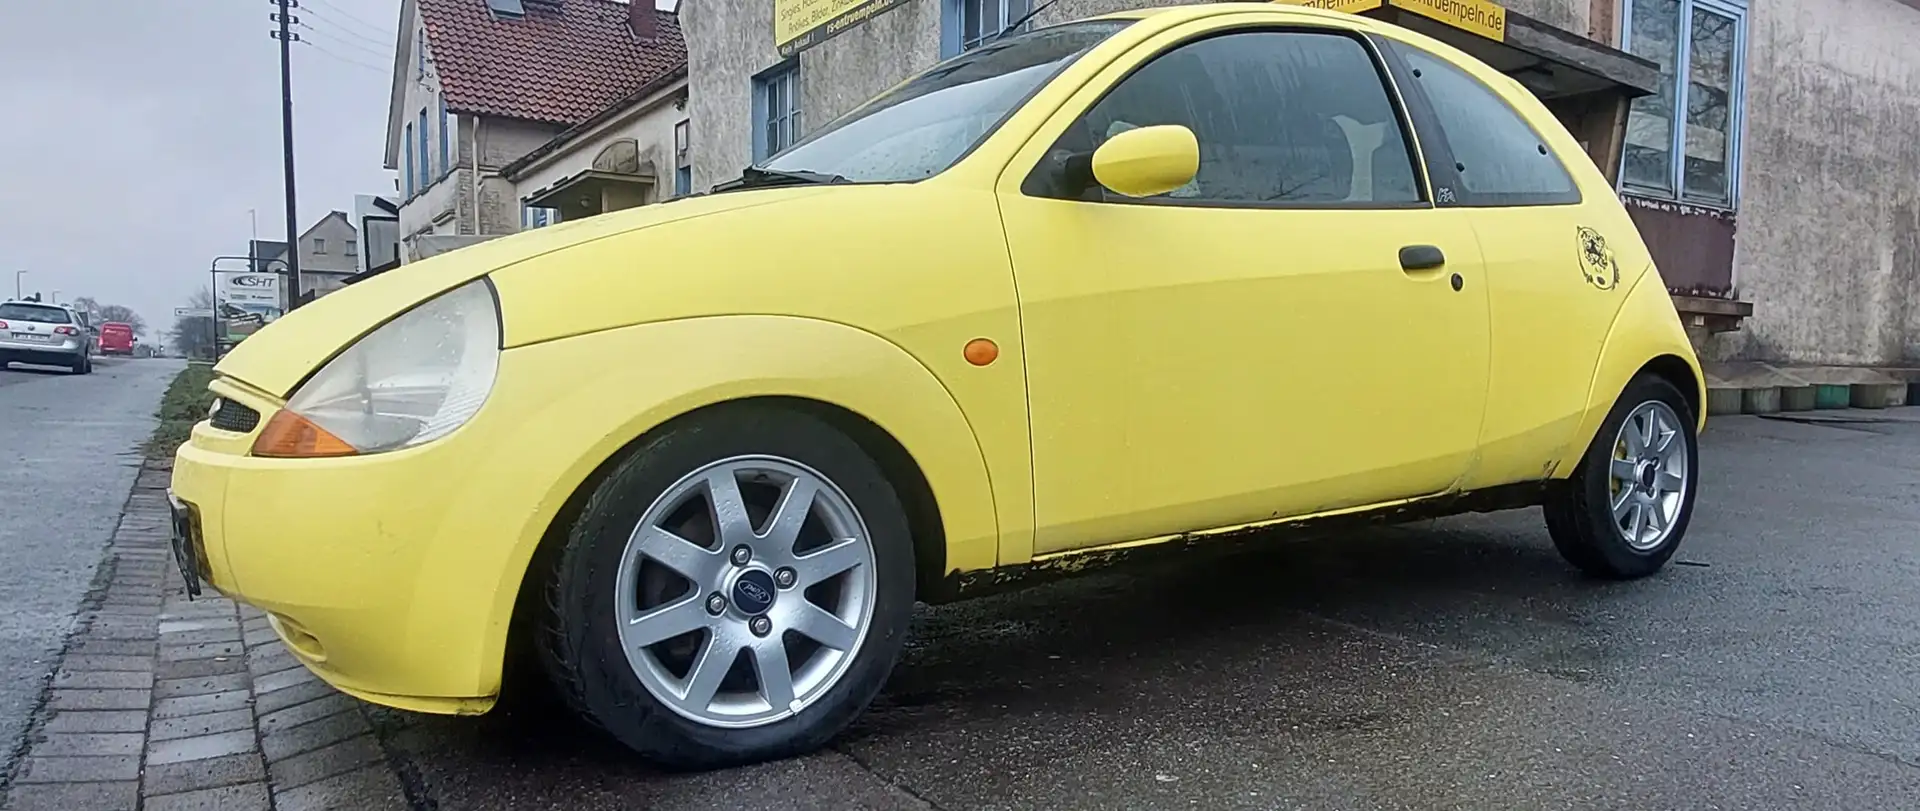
(802, 24)
(1480, 17)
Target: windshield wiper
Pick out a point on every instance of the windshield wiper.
(761, 177)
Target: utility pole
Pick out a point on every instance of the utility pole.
(287, 37)
(16, 283)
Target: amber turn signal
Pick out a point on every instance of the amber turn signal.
(981, 351)
(291, 436)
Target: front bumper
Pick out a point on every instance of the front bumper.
(392, 576)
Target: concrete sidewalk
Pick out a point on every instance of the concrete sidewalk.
(165, 704)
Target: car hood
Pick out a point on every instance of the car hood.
(284, 353)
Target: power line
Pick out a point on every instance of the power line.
(378, 29)
(338, 58)
(338, 30)
(338, 40)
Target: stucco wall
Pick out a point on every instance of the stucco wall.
(498, 142)
(650, 126)
(1828, 246)
(438, 200)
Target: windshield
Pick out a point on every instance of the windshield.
(930, 122)
(34, 312)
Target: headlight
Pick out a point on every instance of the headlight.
(413, 380)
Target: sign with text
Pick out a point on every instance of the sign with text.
(245, 302)
(802, 24)
(1480, 17)
(192, 312)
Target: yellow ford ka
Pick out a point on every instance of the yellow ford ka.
(1147, 281)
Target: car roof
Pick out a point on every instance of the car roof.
(1195, 11)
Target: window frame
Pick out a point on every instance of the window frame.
(1737, 10)
(446, 139)
(1037, 183)
(953, 23)
(788, 71)
(407, 159)
(1442, 166)
(425, 157)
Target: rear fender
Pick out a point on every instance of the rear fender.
(1645, 331)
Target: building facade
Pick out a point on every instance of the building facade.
(478, 84)
(1771, 169)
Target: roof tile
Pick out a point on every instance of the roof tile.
(561, 63)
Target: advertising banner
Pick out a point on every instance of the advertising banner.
(802, 24)
(245, 302)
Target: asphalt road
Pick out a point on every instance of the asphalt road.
(69, 448)
(1448, 665)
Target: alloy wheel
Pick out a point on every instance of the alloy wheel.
(1647, 477)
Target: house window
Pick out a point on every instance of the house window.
(420, 52)
(319, 246)
(425, 164)
(1683, 143)
(353, 248)
(446, 139)
(406, 159)
(536, 217)
(965, 24)
(776, 110)
(682, 159)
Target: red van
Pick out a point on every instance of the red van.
(116, 338)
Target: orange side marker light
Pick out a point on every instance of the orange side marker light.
(981, 351)
(291, 436)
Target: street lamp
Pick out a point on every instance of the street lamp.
(16, 283)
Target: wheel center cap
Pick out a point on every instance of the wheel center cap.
(1649, 473)
(753, 592)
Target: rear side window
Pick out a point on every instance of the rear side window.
(1498, 159)
(1284, 118)
(31, 312)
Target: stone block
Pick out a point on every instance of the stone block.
(1760, 401)
(1722, 402)
(116, 796)
(36, 769)
(89, 744)
(98, 721)
(325, 762)
(201, 704)
(165, 729)
(1797, 398)
(204, 685)
(195, 775)
(202, 747)
(244, 797)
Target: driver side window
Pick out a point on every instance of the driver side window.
(1284, 119)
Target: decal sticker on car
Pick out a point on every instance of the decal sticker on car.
(1596, 260)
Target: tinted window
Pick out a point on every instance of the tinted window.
(1498, 157)
(34, 312)
(1283, 118)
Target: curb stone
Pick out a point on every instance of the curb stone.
(162, 703)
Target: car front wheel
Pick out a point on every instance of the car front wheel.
(1626, 508)
(736, 589)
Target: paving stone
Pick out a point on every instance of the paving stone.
(204, 650)
(369, 789)
(173, 688)
(298, 694)
(195, 775)
(304, 713)
(199, 667)
(283, 680)
(112, 647)
(202, 747)
(325, 762)
(97, 721)
(205, 636)
(100, 699)
(89, 744)
(285, 743)
(196, 705)
(255, 637)
(103, 680)
(167, 729)
(121, 631)
(120, 796)
(247, 797)
(78, 769)
(183, 626)
(109, 662)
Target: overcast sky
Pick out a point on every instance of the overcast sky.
(138, 133)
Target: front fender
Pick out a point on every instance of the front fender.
(1646, 328)
(591, 395)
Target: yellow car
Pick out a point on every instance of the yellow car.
(1145, 281)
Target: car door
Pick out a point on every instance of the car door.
(1248, 347)
(1550, 304)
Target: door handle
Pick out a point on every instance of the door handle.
(1421, 257)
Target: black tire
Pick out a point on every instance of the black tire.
(1577, 511)
(81, 366)
(579, 644)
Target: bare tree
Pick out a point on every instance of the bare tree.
(193, 335)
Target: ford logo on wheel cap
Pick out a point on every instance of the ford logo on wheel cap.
(753, 592)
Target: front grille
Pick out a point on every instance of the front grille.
(231, 416)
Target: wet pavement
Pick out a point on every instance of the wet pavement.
(69, 448)
(1449, 664)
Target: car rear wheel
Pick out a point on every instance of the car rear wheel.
(1625, 510)
(736, 589)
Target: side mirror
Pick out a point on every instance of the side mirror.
(1148, 161)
